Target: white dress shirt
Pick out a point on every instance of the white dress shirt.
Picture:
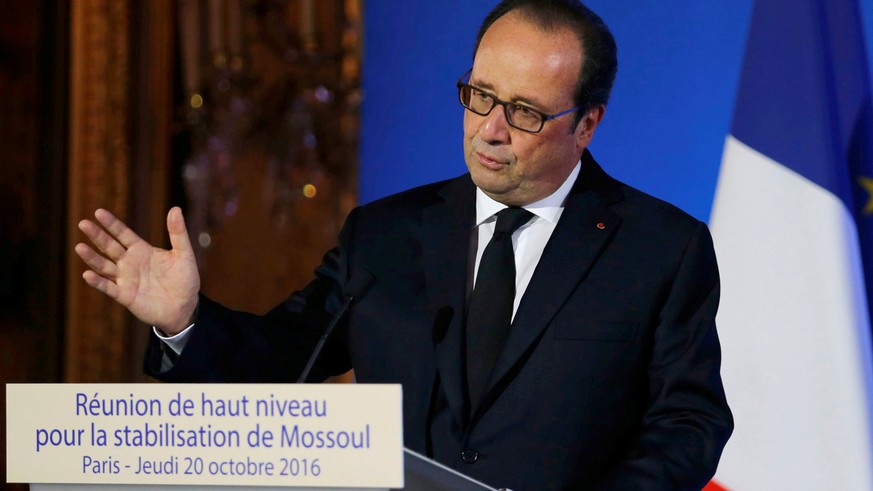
(530, 239)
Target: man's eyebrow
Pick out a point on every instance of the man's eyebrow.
(528, 101)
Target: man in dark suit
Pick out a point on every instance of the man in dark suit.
(596, 368)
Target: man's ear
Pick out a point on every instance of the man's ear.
(587, 125)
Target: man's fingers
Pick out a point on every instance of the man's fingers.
(98, 263)
(111, 247)
(101, 284)
(178, 232)
(117, 228)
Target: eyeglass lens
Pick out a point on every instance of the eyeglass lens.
(482, 103)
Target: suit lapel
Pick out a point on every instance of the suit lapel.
(446, 229)
(585, 227)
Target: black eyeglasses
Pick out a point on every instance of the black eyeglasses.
(518, 116)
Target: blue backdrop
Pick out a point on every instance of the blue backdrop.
(664, 129)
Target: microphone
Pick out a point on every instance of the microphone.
(355, 289)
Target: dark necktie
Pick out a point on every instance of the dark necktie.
(490, 311)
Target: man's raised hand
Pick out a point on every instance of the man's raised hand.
(158, 286)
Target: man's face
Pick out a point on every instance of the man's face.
(518, 63)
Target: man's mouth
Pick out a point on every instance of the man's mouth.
(490, 162)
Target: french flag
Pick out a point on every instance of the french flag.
(793, 229)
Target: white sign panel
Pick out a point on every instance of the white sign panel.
(314, 435)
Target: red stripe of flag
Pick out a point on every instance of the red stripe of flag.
(714, 486)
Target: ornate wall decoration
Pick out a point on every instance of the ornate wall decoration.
(256, 139)
(99, 176)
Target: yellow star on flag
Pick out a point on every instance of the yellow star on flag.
(867, 184)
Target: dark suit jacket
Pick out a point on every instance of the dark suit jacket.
(609, 378)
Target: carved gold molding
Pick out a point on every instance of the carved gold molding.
(99, 169)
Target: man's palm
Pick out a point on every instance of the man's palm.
(158, 286)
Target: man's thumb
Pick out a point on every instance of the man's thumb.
(179, 239)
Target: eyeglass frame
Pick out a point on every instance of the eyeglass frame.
(462, 83)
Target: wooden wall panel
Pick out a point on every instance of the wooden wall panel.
(33, 37)
(121, 118)
(99, 176)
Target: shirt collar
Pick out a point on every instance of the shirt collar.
(548, 208)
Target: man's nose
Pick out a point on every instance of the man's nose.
(495, 128)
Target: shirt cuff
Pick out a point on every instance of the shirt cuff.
(176, 342)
